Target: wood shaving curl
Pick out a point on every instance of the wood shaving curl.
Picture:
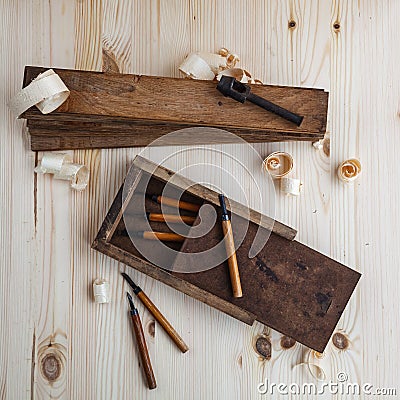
(208, 66)
(349, 170)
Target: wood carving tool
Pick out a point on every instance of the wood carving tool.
(157, 314)
(238, 91)
(230, 250)
(142, 346)
(163, 236)
(183, 205)
(170, 218)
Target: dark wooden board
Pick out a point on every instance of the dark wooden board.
(287, 286)
(126, 107)
(64, 136)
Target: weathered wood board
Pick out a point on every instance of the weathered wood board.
(120, 110)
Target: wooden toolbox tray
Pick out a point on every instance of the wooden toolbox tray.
(287, 285)
(123, 110)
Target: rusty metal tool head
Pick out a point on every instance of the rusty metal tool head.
(238, 91)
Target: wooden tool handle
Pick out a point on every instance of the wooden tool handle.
(171, 218)
(163, 236)
(163, 322)
(232, 261)
(144, 353)
(183, 205)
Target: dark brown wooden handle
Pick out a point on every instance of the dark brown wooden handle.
(232, 261)
(163, 322)
(143, 351)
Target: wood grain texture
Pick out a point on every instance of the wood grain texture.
(348, 48)
(17, 219)
(114, 99)
(54, 137)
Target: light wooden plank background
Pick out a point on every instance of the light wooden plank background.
(55, 342)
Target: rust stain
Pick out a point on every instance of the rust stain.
(266, 270)
(301, 266)
(325, 301)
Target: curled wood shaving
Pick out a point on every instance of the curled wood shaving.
(315, 370)
(231, 59)
(52, 163)
(313, 362)
(319, 144)
(239, 74)
(207, 66)
(101, 291)
(278, 164)
(349, 170)
(62, 167)
(77, 174)
(202, 66)
(291, 186)
(47, 92)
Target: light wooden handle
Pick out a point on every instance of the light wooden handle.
(183, 205)
(163, 236)
(232, 261)
(143, 351)
(171, 218)
(163, 322)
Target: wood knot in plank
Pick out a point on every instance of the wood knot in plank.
(287, 342)
(336, 26)
(263, 347)
(340, 341)
(292, 24)
(151, 328)
(109, 63)
(326, 146)
(240, 361)
(51, 366)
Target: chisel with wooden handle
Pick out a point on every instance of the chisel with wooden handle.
(230, 250)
